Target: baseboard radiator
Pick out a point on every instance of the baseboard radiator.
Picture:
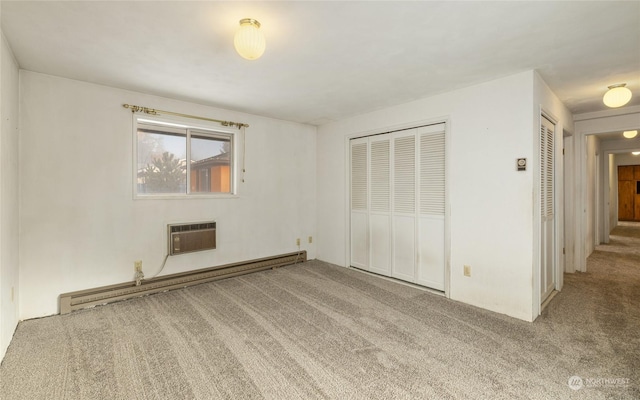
(108, 294)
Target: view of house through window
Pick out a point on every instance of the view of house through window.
(162, 167)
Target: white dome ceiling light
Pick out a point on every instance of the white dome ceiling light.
(249, 40)
(617, 96)
(630, 134)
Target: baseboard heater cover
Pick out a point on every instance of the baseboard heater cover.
(108, 294)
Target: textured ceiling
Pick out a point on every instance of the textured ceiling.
(329, 60)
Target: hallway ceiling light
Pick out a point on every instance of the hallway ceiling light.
(636, 153)
(617, 96)
(630, 134)
(249, 40)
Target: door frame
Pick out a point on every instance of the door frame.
(558, 204)
(569, 204)
(585, 125)
(606, 208)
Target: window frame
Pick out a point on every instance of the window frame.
(195, 128)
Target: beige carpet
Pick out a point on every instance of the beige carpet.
(317, 331)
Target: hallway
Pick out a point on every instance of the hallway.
(613, 273)
(598, 312)
(613, 278)
(625, 239)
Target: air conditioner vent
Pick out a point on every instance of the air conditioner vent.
(192, 227)
(186, 238)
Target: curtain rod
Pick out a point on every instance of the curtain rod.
(152, 111)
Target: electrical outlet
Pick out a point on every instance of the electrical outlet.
(137, 266)
(298, 242)
(467, 270)
(310, 239)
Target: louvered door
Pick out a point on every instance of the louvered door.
(547, 209)
(431, 255)
(359, 203)
(404, 206)
(398, 205)
(380, 209)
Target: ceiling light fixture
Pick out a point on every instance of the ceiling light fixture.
(636, 153)
(617, 96)
(630, 134)
(249, 40)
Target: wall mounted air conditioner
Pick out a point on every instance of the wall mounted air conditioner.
(187, 238)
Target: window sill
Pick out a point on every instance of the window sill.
(185, 197)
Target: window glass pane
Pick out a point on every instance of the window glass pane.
(161, 162)
(210, 164)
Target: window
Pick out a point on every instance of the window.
(174, 159)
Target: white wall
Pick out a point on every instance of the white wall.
(615, 120)
(81, 228)
(625, 159)
(491, 204)
(545, 99)
(9, 205)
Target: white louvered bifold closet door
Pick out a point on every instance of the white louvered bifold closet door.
(404, 206)
(431, 251)
(547, 212)
(398, 204)
(359, 203)
(380, 210)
